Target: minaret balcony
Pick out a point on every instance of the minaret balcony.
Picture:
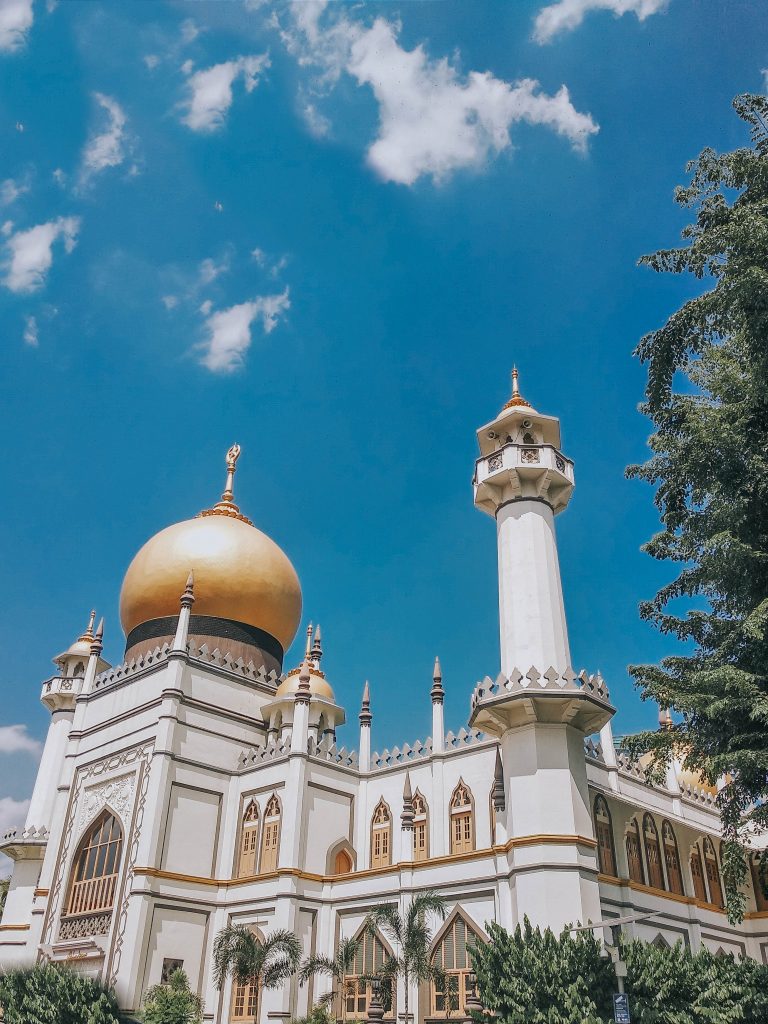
(59, 692)
(516, 471)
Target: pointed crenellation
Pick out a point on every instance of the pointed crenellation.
(187, 599)
(406, 818)
(498, 795)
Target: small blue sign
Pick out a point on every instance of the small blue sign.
(621, 1008)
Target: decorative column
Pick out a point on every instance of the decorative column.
(300, 731)
(187, 599)
(438, 724)
(364, 751)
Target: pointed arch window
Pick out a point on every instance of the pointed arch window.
(606, 851)
(95, 868)
(369, 959)
(270, 835)
(697, 873)
(634, 855)
(420, 828)
(244, 1006)
(342, 864)
(249, 841)
(461, 820)
(451, 955)
(759, 882)
(713, 874)
(672, 858)
(381, 836)
(653, 853)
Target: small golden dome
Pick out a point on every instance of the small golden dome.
(240, 574)
(318, 685)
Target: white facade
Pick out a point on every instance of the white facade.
(192, 751)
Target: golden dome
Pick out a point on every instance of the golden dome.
(240, 574)
(318, 684)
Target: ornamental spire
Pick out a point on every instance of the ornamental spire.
(406, 818)
(87, 635)
(317, 647)
(365, 708)
(437, 692)
(517, 398)
(226, 505)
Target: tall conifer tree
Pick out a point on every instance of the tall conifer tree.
(707, 396)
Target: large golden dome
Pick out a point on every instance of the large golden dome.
(239, 573)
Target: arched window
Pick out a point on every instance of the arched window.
(270, 835)
(95, 868)
(461, 824)
(420, 828)
(713, 874)
(653, 853)
(342, 864)
(369, 959)
(79, 669)
(606, 852)
(528, 438)
(634, 856)
(249, 841)
(759, 882)
(697, 873)
(451, 955)
(245, 997)
(672, 858)
(381, 836)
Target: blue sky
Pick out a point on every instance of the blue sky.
(327, 232)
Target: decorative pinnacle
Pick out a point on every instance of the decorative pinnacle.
(665, 718)
(308, 647)
(437, 692)
(226, 506)
(188, 597)
(517, 398)
(88, 633)
(233, 455)
(406, 818)
(98, 640)
(317, 647)
(498, 795)
(365, 708)
(302, 690)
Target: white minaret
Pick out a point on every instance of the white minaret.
(523, 480)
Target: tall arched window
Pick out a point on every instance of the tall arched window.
(420, 828)
(672, 858)
(697, 873)
(369, 959)
(270, 835)
(606, 852)
(451, 955)
(759, 882)
(249, 841)
(381, 836)
(634, 855)
(653, 853)
(713, 873)
(461, 823)
(95, 869)
(245, 997)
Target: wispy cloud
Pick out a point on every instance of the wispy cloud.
(15, 739)
(31, 334)
(433, 119)
(11, 190)
(209, 270)
(29, 254)
(210, 90)
(106, 147)
(229, 331)
(16, 19)
(12, 813)
(566, 15)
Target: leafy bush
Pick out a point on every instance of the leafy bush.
(55, 995)
(172, 1003)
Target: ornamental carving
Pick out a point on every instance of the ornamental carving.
(560, 463)
(85, 926)
(118, 793)
(494, 462)
(529, 455)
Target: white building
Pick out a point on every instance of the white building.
(195, 784)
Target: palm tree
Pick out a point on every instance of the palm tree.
(265, 963)
(336, 969)
(411, 938)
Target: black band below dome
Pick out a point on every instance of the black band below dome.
(207, 625)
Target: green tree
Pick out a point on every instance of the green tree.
(5, 884)
(337, 969)
(55, 995)
(707, 397)
(172, 1002)
(411, 938)
(535, 977)
(266, 963)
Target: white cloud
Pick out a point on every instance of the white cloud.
(229, 330)
(31, 336)
(12, 813)
(189, 31)
(15, 22)
(206, 307)
(170, 301)
(30, 252)
(151, 60)
(15, 739)
(106, 148)
(433, 119)
(262, 260)
(60, 177)
(319, 125)
(209, 270)
(7, 228)
(10, 190)
(566, 15)
(210, 90)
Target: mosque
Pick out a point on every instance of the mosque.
(199, 783)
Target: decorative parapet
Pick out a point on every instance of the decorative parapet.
(259, 754)
(409, 752)
(31, 834)
(630, 766)
(202, 654)
(593, 749)
(25, 843)
(697, 795)
(325, 751)
(60, 691)
(535, 681)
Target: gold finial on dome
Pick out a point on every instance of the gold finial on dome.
(517, 398)
(226, 506)
(87, 635)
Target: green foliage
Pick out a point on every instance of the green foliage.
(267, 963)
(4, 886)
(318, 1014)
(173, 1003)
(55, 995)
(709, 464)
(337, 969)
(411, 938)
(537, 978)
